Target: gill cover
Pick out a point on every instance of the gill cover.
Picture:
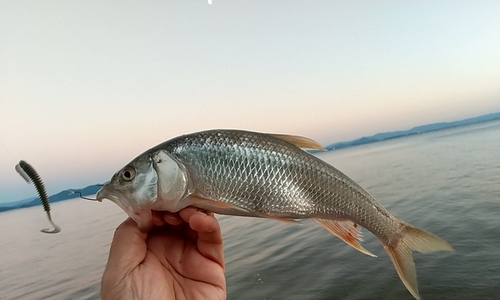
(172, 182)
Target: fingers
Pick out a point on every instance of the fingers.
(161, 218)
(209, 234)
(128, 248)
(204, 224)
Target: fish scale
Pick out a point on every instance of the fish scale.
(247, 173)
(310, 184)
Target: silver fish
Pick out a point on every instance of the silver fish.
(254, 174)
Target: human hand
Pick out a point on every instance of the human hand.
(180, 258)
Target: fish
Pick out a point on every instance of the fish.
(253, 174)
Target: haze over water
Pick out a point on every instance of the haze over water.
(446, 182)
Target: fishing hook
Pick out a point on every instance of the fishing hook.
(85, 198)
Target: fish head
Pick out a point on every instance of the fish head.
(134, 189)
(152, 181)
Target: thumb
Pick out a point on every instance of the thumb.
(128, 248)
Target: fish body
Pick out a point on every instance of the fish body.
(254, 174)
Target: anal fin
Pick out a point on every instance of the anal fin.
(346, 230)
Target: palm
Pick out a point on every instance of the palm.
(174, 262)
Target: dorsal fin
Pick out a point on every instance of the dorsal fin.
(300, 141)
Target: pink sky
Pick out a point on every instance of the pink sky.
(87, 86)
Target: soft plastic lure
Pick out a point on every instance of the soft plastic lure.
(30, 175)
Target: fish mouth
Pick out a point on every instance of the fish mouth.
(116, 196)
(110, 193)
(99, 196)
(102, 193)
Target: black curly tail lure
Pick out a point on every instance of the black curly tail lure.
(29, 174)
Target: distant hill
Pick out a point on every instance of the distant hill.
(64, 195)
(415, 130)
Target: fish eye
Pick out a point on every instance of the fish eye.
(128, 174)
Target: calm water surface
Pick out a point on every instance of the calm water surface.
(447, 182)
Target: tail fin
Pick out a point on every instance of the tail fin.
(414, 239)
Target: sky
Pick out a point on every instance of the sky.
(86, 86)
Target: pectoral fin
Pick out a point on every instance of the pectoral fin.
(284, 220)
(346, 230)
(210, 204)
(224, 208)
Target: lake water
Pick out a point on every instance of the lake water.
(446, 182)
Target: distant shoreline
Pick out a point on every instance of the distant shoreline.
(61, 196)
(92, 189)
(415, 130)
